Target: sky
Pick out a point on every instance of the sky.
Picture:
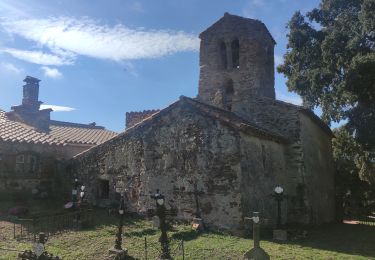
(98, 59)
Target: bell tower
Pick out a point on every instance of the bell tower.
(236, 62)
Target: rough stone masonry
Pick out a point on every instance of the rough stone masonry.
(233, 143)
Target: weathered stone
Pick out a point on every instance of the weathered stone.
(280, 235)
(235, 142)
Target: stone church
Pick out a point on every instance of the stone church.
(221, 154)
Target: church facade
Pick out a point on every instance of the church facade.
(220, 155)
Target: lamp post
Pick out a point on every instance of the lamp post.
(82, 193)
(121, 211)
(117, 249)
(278, 195)
(161, 213)
(75, 193)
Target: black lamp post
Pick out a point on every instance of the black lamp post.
(121, 211)
(82, 195)
(278, 195)
(117, 249)
(161, 213)
(75, 193)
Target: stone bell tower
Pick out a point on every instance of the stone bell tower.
(236, 62)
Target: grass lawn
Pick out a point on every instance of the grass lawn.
(339, 241)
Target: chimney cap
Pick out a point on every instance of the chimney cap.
(31, 80)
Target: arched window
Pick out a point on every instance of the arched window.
(235, 46)
(223, 55)
(228, 95)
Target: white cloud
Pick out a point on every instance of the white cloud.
(290, 98)
(9, 67)
(57, 108)
(51, 72)
(38, 57)
(88, 38)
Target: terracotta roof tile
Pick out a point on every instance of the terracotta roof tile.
(61, 133)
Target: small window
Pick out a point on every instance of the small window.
(32, 163)
(223, 55)
(20, 163)
(20, 158)
(235, 46)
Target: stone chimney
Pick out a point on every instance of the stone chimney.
(29, 111)
(31, 93)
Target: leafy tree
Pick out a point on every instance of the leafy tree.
(353, 169)
(330, 62)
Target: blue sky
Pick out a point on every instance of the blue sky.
(98, 59)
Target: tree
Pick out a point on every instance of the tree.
(353, 170)
(330, 63)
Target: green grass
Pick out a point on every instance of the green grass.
(329, 242)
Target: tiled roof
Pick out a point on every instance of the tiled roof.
(80, 133)
(61, 133)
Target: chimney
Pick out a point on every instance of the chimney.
(31, 93)
(28, 112)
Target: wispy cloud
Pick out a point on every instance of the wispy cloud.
(38, 57)
(57, 108)
(51, 72)
(9, 67)
(87, 37)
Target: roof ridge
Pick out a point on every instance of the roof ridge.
(307, 111)
(64, 123)
(242, 122)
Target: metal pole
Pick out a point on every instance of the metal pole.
(256, 236)
(146, 249)
(119, 232)
(279, 212)
(163, 228)
(183, 249)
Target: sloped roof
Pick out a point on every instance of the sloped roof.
(304, 110)
(80, 133)
(61, 133)
(224, 116)
(239, 25)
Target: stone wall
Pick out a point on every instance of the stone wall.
(42, 163)
(318, 171)
(183, 149)
(133, 118)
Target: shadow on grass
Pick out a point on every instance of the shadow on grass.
(142, 233)
(101, 218)
(186, 235)
(343, 238)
